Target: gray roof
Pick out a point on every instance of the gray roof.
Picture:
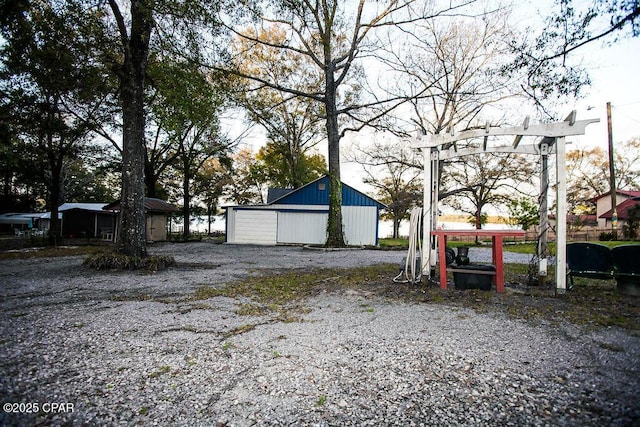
(150, 204)
(93, 207)
(274, 194)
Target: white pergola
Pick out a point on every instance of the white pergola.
(548, 139)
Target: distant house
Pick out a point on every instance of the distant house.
(158, 214)
(19, 221)
(624, 200)
(299, 216)
(86, 220)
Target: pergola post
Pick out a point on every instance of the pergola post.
(561, 216)
(426, 214)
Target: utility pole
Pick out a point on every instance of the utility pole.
(612, 177)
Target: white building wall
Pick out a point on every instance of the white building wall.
(253, 226)
(360, 224)
(298, 224)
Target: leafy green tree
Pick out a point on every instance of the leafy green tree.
(280, 171)
(49, 75)
(293, 124)
(211, 182)
(175, 28)
(134, 29)
(248, 183)
(523, 212)
(186, 107)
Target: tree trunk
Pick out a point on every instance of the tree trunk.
(132, 238)
(55, 230)
(335, 234)
(186, 210)
(396, 227)
(150, 179)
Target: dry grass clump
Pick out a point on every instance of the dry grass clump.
(119, 261)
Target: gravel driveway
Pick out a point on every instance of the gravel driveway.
(80, 347)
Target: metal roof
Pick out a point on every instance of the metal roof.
(274, 194)
(317, 193)
(93, 207)
(150, 204)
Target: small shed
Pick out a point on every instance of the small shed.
(85, 219)
(300, 216)
(158, 213)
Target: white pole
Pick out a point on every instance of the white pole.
(561, 217)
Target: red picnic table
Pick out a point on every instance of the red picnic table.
(496, 252)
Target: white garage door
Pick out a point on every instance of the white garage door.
(302, 227)
(256, 226)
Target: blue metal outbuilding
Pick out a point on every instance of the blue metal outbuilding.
(300, 216)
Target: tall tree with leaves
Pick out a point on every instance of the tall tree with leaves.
(49, 74)
(280, 171)
(293, 124)
(211, 182)
(249, 185)
(335, 36)
(187, 105)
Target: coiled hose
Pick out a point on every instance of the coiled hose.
(412, 272)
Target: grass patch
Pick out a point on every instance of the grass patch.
(291, 286)
(322, 400)
(252, 310)
(51, 252)
(132, 297)
(282, 294)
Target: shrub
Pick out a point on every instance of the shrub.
(630, 229)
(606, 236)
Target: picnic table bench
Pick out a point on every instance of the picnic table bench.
(496, 253)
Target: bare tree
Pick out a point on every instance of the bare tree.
(588, 173)
(544, 56)
(391, 172)
(489, 178)
(451, 70)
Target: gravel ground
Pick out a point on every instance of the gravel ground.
(96, 348)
